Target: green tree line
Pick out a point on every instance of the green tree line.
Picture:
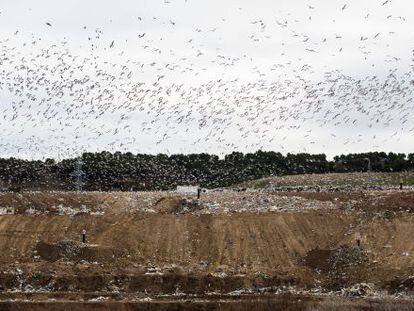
(126, 171)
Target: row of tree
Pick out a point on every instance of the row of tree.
(127, 171)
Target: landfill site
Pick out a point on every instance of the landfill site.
(342, 248)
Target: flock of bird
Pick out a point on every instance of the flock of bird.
(58, 100)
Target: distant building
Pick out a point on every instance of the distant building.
(187, 189)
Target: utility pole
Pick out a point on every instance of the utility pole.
(78, 174)
(368, 164)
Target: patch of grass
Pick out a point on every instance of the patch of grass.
(262, 183)
(262, 275)
(410, 181)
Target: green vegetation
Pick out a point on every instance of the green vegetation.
(127, 171)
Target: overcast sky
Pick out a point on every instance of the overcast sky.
(180, 76)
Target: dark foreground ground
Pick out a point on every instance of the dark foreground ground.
(278, 302)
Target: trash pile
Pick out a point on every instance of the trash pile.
(54, 210)
(335, 261)
(346, 257)
(66, 250)
(232, 202)
(52, 203)
(359, 290)
(330, 182)
(225, 202)
(6, 211)
(83, 209)
(188, 206)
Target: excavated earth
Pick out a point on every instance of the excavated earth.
(229, 251)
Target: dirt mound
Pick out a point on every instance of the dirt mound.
(334, 261)
(167, 205)
(73, 251)
(177, 205)
(339, 268)
(318, 259)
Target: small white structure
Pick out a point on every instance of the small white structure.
(187, 189)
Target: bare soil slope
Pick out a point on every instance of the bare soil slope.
(228, 242)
